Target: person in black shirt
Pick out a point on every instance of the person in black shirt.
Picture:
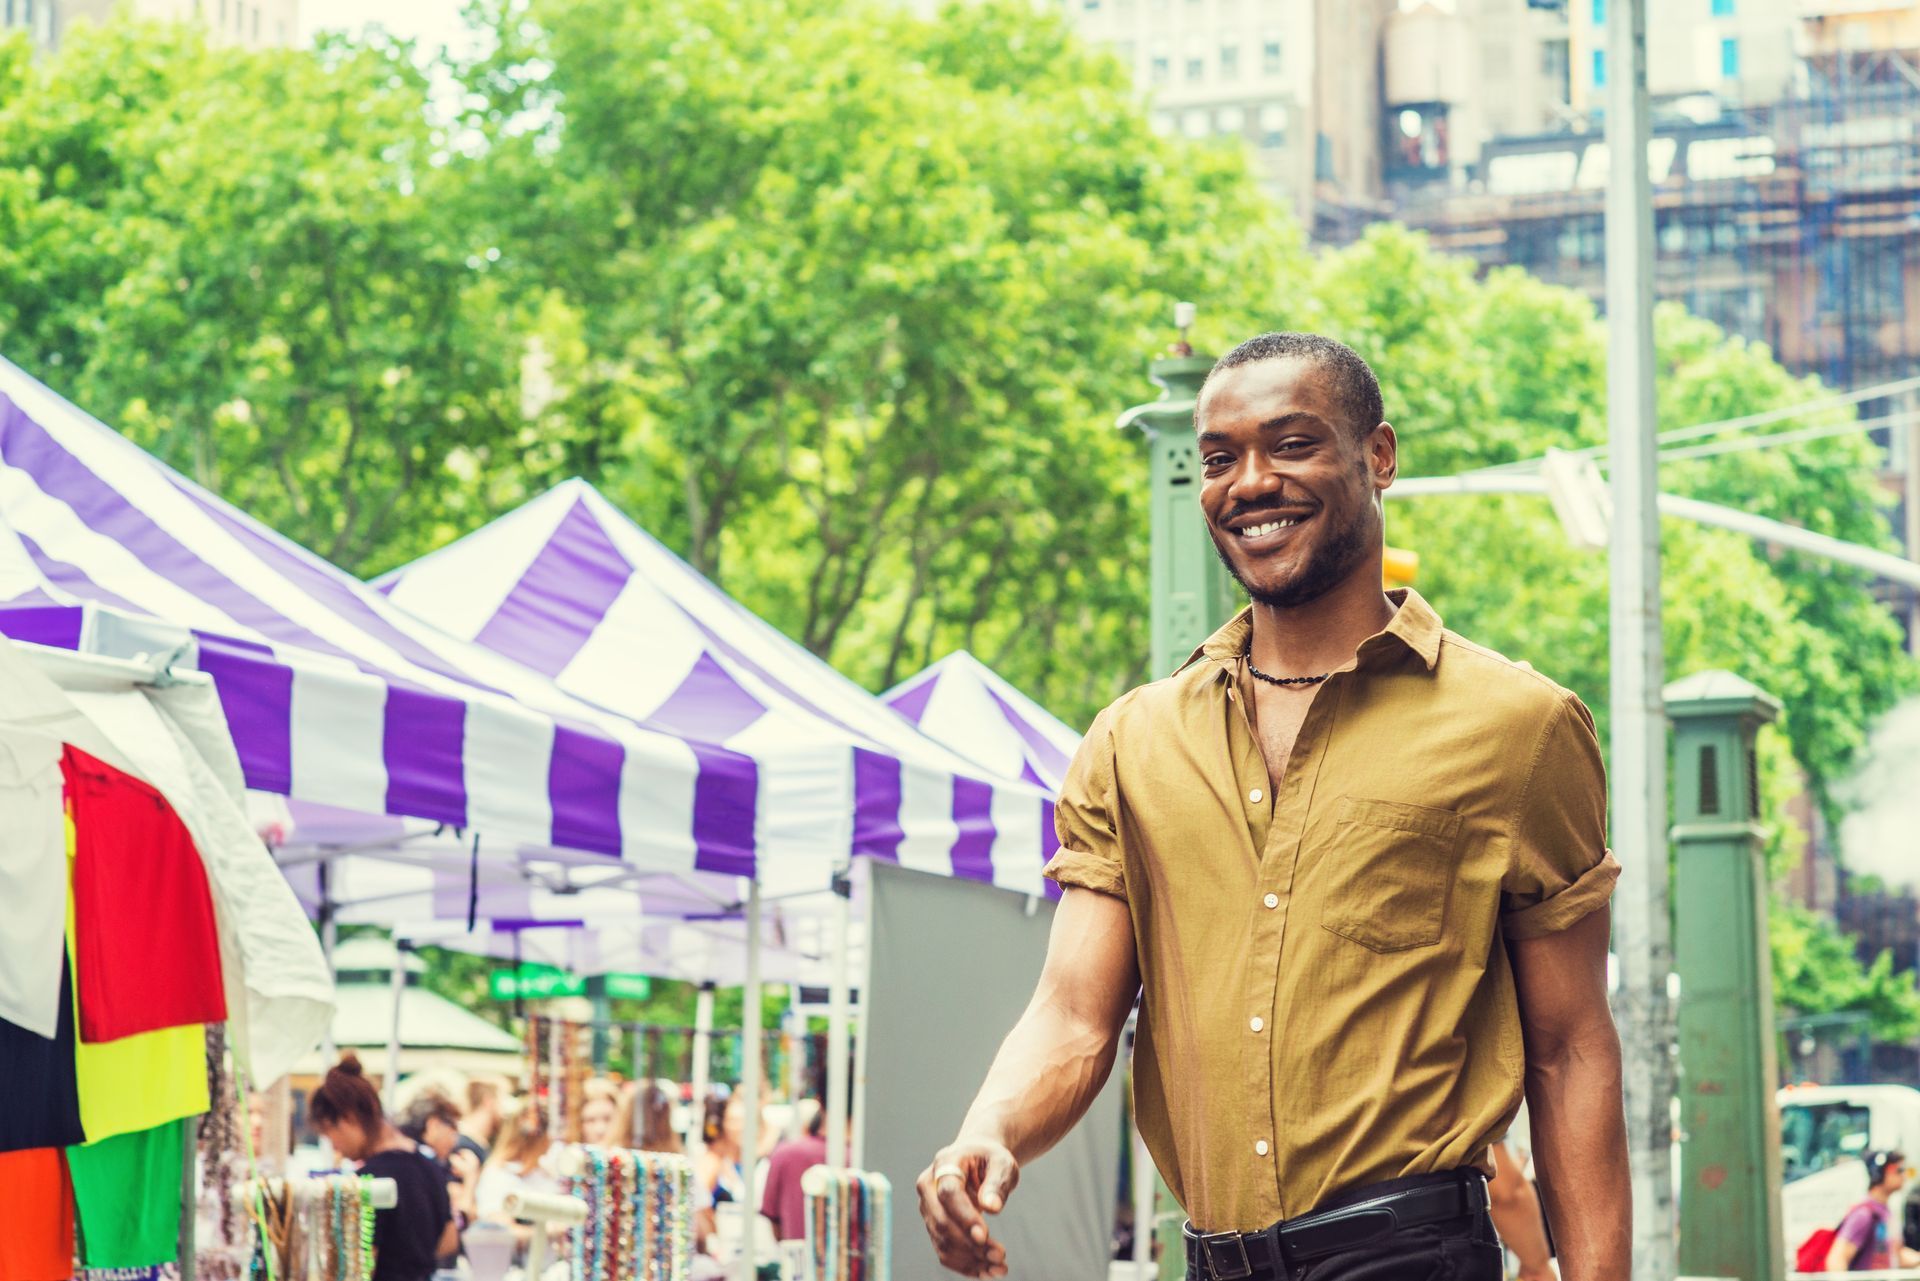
(410, 1237)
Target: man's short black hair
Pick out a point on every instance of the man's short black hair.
(1353, 382)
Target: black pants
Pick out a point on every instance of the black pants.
(1462, 1249)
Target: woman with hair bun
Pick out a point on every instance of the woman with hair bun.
(408, 1238)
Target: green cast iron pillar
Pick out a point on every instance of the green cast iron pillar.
(1730, 1146)
(1192, 592)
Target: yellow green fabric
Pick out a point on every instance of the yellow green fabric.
(126, 1190)
(137, 1082)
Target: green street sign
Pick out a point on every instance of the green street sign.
(629, 987)
(534, 983)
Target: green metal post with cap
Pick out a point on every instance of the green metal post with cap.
(1730, 1146)
(1192, 592)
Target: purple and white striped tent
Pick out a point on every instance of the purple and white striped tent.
(569, 587)
(965, 704)
(341, 698)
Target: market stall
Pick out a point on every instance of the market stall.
(144, 934)
(965, 705)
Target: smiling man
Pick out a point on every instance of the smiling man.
(1354, 867)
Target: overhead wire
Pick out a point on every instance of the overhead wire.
(1764, 418)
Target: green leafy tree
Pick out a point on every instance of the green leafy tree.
(244, 261)
(848, 302)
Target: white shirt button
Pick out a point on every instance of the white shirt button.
(1260, 1148)
(1257, 1023)
(1271, 900)
(1255, 795)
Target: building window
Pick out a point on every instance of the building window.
(1229, 62)
(1599, 68)
(1723, 8)
(1195, 123)
(1273, 125)
(1599, 13)
(1196, 68)
(1231, 120)
(1730, 59)
(1271, 63)
(1162, 68)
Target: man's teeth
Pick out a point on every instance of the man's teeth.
(1260, 531)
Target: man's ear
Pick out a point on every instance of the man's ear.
(1383, 455)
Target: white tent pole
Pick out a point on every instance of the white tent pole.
(399, 987)
(837, 1011)
(329, 939)
(702, 1061)
(750, 1085)
(859, 1156)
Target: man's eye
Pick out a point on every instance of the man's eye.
(1215, 460)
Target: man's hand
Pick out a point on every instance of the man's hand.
(967, 1178)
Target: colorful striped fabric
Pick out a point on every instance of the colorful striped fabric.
(518, 716)
(966, 705)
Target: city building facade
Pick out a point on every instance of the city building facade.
(253, 24)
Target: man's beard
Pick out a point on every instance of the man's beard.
(1343, 552)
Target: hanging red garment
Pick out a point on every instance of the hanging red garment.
(36, 1216)
(144, 943)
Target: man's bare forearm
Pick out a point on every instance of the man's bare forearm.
(1580, 1151)
(1047, 1074)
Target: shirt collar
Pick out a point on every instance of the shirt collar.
(1414, 626)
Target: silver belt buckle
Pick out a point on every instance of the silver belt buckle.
(1238, 1268)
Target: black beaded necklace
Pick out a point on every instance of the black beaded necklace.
(1278, 680)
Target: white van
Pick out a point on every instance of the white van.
(1824, 1131)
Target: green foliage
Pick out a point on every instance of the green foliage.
(244, 261)
(857, 298)
(1815, 971)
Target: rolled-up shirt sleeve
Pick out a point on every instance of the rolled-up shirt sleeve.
(1559, 869)
(1084, 818)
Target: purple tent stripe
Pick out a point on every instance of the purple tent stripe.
(256, 693)
(876, 805)
(565, 594)
(73, 579)
(973, 814)
(424, 742)
(912, 703)
(725, 795)
(55, 625)
(324, 584)
(708, 705)
(1051, 758)
(27, 445)
(583, 784)
(726, 649)
(1032, 775)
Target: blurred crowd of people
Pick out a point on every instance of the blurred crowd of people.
(460, 1148)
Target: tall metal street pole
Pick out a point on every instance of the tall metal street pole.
(1642, 933)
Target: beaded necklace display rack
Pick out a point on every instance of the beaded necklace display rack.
(639, 1214)
(849, 1225)
(318, 1229)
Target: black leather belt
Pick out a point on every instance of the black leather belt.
(1259, 1256)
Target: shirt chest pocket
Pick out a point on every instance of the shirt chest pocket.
(1388, 873)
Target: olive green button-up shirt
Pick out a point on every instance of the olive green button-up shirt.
(1327, 1000)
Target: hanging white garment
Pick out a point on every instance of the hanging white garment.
(279, 992)
(33, 879)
